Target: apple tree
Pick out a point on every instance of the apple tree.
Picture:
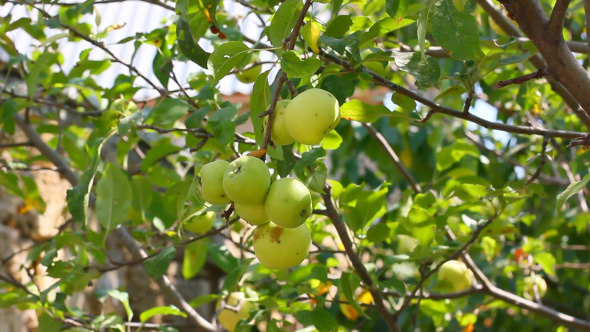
(434, 152)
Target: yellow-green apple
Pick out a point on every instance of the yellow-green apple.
(249, 75)
(529, 284)
(456, 274)
(236, 308)
(278, 132)
(246, 180)
(311, 115)
(253, 214)
(212, 182)
(288, 203)
(201, 223)
(277, 247)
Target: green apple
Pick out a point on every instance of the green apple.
(236, 308)
(277, 247)
(249, 75)
(246, 180)
(278, 132)
(253, 214)
(201, 223)
(212, 182)
(288, 203)
(529, 283)
(311, 115)
(126, 107)
(456, 274)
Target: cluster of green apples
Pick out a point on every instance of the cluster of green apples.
(278, 209)
(305, 119)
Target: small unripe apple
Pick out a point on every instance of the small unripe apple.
(212, 182)
(253, 214)
(126, 107)
(529, 282)
(277, 247)
(456, 274)
(288, 203)
(236, 308)
(278, 132)
(200, 223)
(246, 180)
(311, 115)
(249, 75)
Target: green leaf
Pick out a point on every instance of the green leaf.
(156, 153)
(259, 102)
(123, 297)
(195, 255)
(168, 110)
(406, 103)
(292, 64)
(547, 261)
(360, 111)
(458, 32)
(113, 197)
(426, 70)
(42, 63)
(48, 324)
(222, 124)
(78, 197)
(361, 207)
(204, 299)
(226, 57)
(332, 140)
(162, 67)
(396, 9)
(162, 310)
(323, 320)
(349, 282)
(222, 257)
(283, 22)
(142, 194)
(571, 190)
(188, 46)
(378, 233)
(158, 265)
(8, 109)
(453, 153)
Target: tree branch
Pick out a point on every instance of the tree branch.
(437, 108)
(561, 63)
(358, 265)
(537, 60)
(555, 26)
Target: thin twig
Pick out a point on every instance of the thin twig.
(14, 145)
(521, 79)
(469, 100)
(393, 157)
(541, 162)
